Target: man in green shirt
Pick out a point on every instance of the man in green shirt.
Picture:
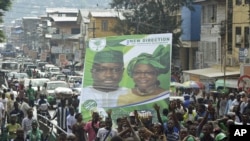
(31, 95)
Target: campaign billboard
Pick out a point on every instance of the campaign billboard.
(126, 73)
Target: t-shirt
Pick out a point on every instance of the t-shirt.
(102, 133)
(89, 129)
(71, 120)
(1, 110)
(12, 130)
(31, 94)
(27, 125)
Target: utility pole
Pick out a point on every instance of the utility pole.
(93, 29)
(225, 48)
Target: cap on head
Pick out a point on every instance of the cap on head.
(109, 56)
(220, 137)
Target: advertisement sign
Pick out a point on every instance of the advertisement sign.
(126, 73)
(43, 56)
(242, 54)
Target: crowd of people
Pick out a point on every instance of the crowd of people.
(204, 118)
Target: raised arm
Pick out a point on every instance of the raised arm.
(157, 109)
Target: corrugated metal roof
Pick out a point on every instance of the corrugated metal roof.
(61, 10)
(64, 19)
(213, 72)
(31, 18)
(107, 13)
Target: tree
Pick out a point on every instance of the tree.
(4, 6)
(150, 16)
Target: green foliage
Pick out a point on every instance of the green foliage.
(150, 16)
(4, 6)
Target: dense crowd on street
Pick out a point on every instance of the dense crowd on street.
(194, 118)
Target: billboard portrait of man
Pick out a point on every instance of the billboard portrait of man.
(106, 72)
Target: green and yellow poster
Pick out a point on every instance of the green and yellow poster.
(126, 73)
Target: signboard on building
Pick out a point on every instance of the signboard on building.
(199, 60)
(242, 54)
(77, 56)
(34, 55)
(25, 50)
(245, 70)
(43, 56)
(56, 49)
(62, 59)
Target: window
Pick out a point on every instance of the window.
(209, 13)
(104, 25)
(238, 38)
(57, 31)
(238, 2)
(246, 37)
(75, 30)
(60, 15)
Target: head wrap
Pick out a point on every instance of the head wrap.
(160, 60)
(109, 56)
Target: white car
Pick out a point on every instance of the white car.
(35, 82)
(52, 85)
(74, 81)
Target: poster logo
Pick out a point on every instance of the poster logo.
(97, 44)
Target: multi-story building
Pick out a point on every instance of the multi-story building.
(223, 42)
(62, 28)
(29, 27)
(102, 22)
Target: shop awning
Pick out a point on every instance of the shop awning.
(229, 83)
(214, 72)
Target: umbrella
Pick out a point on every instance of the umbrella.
(193, 84)
(176, 84)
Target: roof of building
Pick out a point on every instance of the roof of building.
(61, 10)
(106, 13)
(64, 19)
(213, 72)
(36, 18)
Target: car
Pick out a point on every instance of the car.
(30, 67)
(74, 80)
(25, 64)
(40, 65)
(51, 86)
(59, 76)
(18, 76)
(35, 83)
(53, 70)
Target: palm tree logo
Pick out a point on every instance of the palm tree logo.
(97, 44)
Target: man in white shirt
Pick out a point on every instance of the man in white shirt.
(2, 110)
(27, 121)
(107, 73)
(71, 120)
(24, 106)
(106, 133)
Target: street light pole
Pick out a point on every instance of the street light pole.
(225, 47)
